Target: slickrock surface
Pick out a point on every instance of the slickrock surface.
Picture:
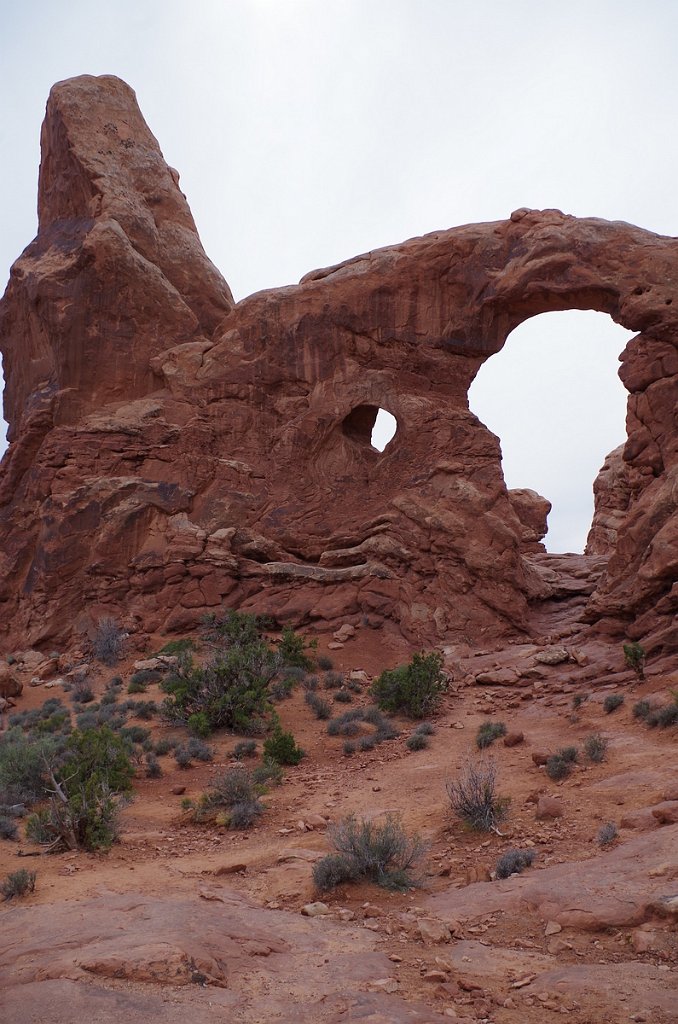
(171, 451)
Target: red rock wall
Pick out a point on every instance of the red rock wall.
(172, 452)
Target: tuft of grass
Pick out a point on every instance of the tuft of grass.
(343, 697)
(349, 748)
(365, 850)
(642, 709)
(321, 708)
(325, 663)
(199, 750)
(607, 833)
(417, 741)
(245, 748)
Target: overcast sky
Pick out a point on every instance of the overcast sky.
(307, 131)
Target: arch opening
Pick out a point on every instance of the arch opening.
(553, 397)
(370, 425)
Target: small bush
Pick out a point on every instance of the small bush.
(281, 689)
(349, 748)
(607, 833)
(325, 663)
(641, 709)
(267, 773)
(282, 747)
(663, 716)
(343, 697)
(612, 702)
(163, 747)
(8, 829)
(425, 728)
(333, 681)
(175, 647)
(108, 698)
(595, 747)
(82, 692)
(153, 769)
(558, 767)
(634, 656)
(145, 709)
(569, 754)
(488, 732)
(321, 708)
(107, 642)
(235, 790)
(310, 683)
(293, 649)
(513, 862)
(18, 883)
(135, 733)
(199, 750)
(182, 757)
(199, 724)
(417, 741)
(473, 797)
(366, 743)
(383, 854)
(137, 686)
(245, 748)
(415, 689)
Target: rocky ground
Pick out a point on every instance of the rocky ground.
(186, 919)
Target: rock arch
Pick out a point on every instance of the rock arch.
(165, 449)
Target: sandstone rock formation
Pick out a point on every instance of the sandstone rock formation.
(172, 452)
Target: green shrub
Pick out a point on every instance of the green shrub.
(23, 766)
(612, 702)
(267, 773)
(293, 649)
(641, 709)
(238, 629)
(473, 796)
(634, 656)
(230, 691)
(235, 791)
(415, 689)
(513, 862)
(595, 747)
(365, 850)
(325, 663)
(282, 747)
(18, 883)
(558, 767)
(175, 647)
(281, 689)
(136, 686)
(488, 732)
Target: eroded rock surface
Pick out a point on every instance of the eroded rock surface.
(171, 451)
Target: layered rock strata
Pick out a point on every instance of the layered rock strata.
(173, 452)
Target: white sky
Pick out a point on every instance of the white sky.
(307, 131)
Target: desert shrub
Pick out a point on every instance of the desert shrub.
(607, 833)
(578, 700)
(569, 754)
(135, 733)
(145, 709)
(349, 748)
(153, 768)
(175, 647)
(309, 683)
(293, 648)
(664, 716)
(163, 746)
(321, 708)
(235, 790)
(18, 883)
(558, 767)
(282, 747)
(365, 850)
(199, 750)
(425, 728)
(182, 757)
(107, 641)
(612, 702)
(343, 697)
(137, 686)
(366, 743)
(8, 829)
(473, 796)
(595, 747)
(238, 629)
(230, 691)
(417, 741)
(634, 656)
(513, 862)
(353, 685)
(245, 748)
(269, 772)
(82, 692)
(333, 680)
(281, 689)
(84, 792)
(415, 689)
(23, 766)
(488, 732)
(642, 709)
(339, 727)
(108, 698)
(325, 663)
